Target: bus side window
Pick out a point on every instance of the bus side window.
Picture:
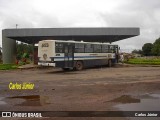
(79, 48)
(97, 49)
(88, 48)
(59, 48)
(111, 48)
(115, 49)
(105, 48)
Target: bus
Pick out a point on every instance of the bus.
(76, 55)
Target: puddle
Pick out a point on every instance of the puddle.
(150, 96)
(147, 102)
(125, 99)
(32, 100)
(2, 102)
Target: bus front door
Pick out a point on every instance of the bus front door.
(68, 56)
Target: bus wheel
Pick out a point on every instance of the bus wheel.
(79, 65)
(109, 63)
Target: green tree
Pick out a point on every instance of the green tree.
(23, 48)
(156, 47)
(147, 49)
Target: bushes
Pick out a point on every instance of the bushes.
(143, 61)
(8, 66)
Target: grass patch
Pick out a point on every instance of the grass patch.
(144, 61)
(8, 66)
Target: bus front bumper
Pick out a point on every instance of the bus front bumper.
(46, 64)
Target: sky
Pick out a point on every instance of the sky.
(144, 14)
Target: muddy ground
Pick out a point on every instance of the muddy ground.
(96, 89)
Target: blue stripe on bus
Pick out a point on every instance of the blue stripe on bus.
(78, 57)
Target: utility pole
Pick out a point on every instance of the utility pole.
(16, 26)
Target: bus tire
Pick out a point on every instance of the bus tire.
(79, 65)
(110, 63)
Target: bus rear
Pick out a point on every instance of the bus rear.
(46, 52)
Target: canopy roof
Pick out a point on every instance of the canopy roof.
(33, 35)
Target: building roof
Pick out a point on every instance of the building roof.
(33, 35)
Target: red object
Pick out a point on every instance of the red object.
(17, 62)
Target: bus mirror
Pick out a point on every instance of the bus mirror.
(119, 48)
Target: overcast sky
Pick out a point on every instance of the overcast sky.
(85, 13)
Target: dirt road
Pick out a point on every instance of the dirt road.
(97, 89)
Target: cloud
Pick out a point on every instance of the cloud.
(136, 13)
(88, 13)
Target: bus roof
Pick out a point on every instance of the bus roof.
(71, 41)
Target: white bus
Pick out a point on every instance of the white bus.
(76, 55)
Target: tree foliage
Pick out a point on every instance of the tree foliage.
(147, 49)
(23, 49)
(156, 47)
(137, 51)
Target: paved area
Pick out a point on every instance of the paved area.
(86, 90)
(28, 66)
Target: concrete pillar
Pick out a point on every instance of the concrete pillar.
(9, 49)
